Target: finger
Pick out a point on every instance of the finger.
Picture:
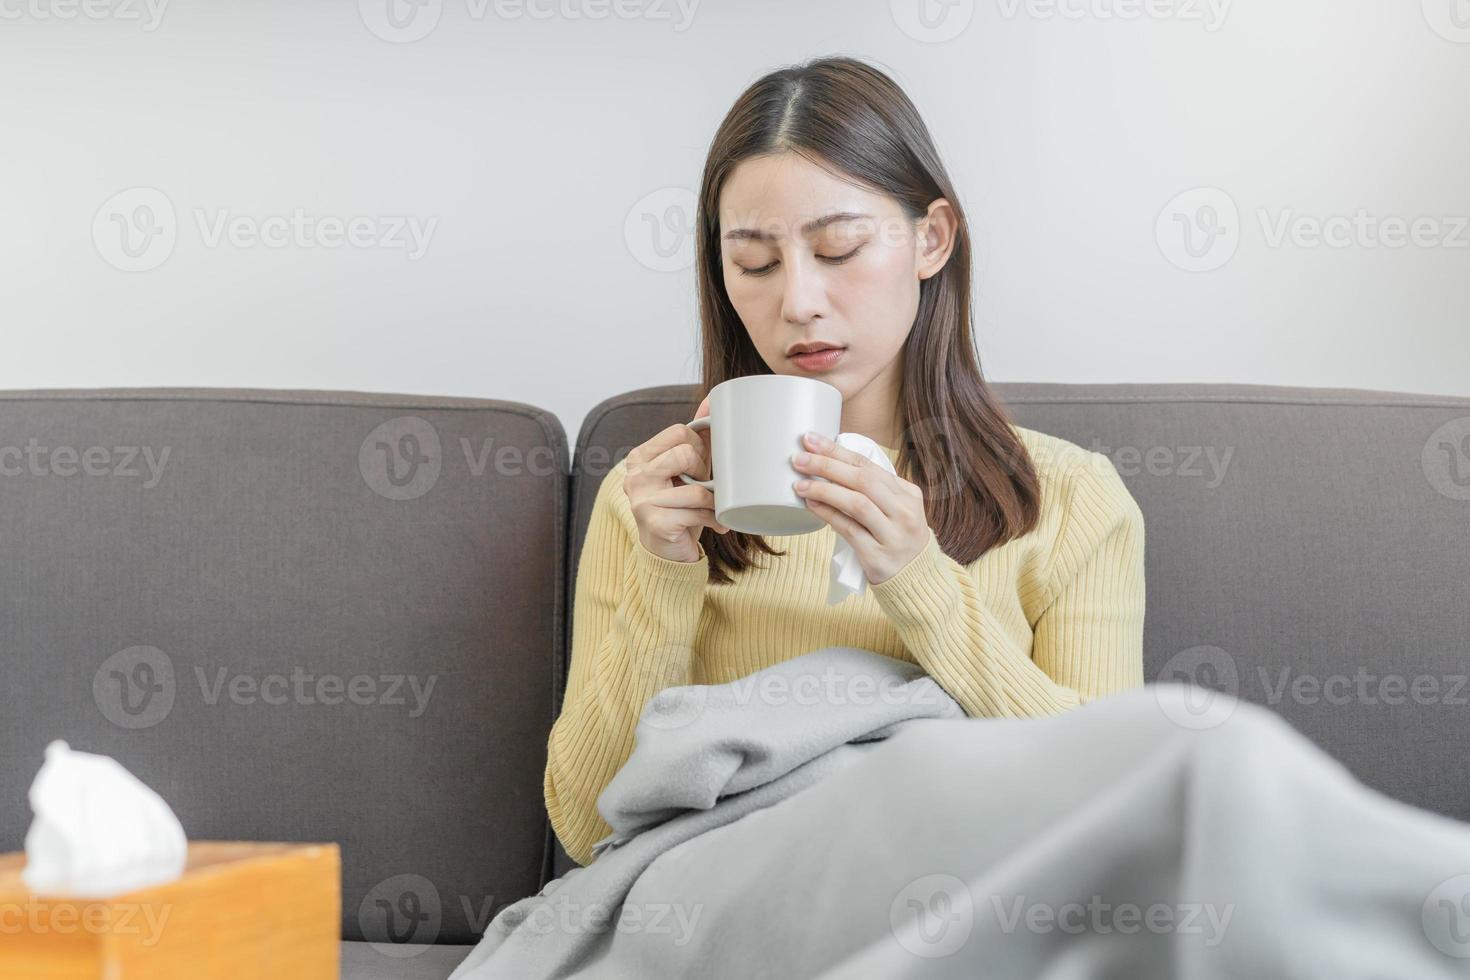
(682, 458)
(677, 434)
(837, 451)
(687, 457)
(688, 495)
(851, 504)
(857, 473)
(852, 532)
(685, 518)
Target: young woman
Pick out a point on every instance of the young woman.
(1008, 563)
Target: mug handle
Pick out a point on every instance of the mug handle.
(697, 425)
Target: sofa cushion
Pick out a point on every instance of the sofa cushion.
(300, 616)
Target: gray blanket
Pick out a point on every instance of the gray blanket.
(837, 816)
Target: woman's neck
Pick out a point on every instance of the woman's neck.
(873, 412)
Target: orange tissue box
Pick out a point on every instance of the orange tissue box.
(241, 911)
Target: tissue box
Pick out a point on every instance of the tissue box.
(241, 911)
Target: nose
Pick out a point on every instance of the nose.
(803, 293)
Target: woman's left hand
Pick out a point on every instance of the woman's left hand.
(879, 513)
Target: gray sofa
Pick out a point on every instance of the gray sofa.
(307, 615)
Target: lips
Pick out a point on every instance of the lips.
(810, 347)
(823, 359)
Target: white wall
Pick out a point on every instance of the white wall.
(535, 142)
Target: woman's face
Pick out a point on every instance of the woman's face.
(812, 259)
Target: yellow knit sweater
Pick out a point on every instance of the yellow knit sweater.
(1038, 625)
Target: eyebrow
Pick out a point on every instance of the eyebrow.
(752, 234)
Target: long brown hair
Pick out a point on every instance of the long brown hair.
(980, 485)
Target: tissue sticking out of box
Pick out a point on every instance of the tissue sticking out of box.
(98, 830)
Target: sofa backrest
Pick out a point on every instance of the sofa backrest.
(297, 616)
(1297, 540)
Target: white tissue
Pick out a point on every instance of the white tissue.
(847, 573)
(98, 830)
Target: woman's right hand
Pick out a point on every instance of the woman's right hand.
(671, 514)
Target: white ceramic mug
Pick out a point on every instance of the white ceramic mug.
(756, 423)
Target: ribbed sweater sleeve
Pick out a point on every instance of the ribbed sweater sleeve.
(633, 629)
(1088, 640)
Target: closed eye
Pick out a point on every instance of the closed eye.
(829, 259)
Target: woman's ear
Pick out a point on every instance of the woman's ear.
(935, 238)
